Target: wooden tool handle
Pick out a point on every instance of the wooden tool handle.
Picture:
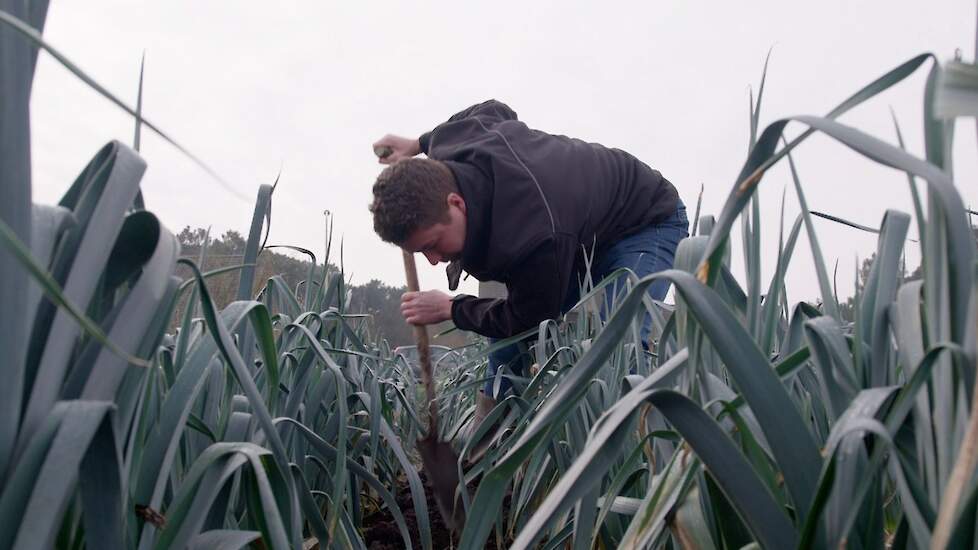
(421, 339)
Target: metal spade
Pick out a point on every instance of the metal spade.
(439, 460)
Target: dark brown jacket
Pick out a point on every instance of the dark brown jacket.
(535, 202)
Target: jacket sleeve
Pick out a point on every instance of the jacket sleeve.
(537, 289)
(490, 112)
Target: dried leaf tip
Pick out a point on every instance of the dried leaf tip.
(151, 516)
(751, 181)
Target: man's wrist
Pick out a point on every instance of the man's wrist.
(448, 308)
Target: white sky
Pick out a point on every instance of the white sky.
(307, 86)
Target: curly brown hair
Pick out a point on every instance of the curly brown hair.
(410, 195)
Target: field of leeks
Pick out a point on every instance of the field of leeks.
(752, 422)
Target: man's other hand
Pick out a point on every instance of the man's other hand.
(426, 307)
(401, 148)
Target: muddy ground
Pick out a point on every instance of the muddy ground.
(380, 530)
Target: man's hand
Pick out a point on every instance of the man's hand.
(401, 148)
(426, 307)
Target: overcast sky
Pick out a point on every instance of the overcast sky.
(252, 87)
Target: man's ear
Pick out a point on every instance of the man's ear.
(456, 200)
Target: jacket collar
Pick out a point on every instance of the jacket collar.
(476, 189)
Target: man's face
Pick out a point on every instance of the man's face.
(442, 241)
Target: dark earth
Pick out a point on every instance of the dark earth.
(380, 530)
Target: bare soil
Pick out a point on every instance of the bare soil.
(380, 530)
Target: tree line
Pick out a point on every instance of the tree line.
(375, 298)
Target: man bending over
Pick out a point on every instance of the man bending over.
(507, 203)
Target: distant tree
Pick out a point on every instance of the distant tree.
(847, 309)
(383, 304)
(192, 238)
(232, 242)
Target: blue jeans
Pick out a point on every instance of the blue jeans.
(651, 250)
